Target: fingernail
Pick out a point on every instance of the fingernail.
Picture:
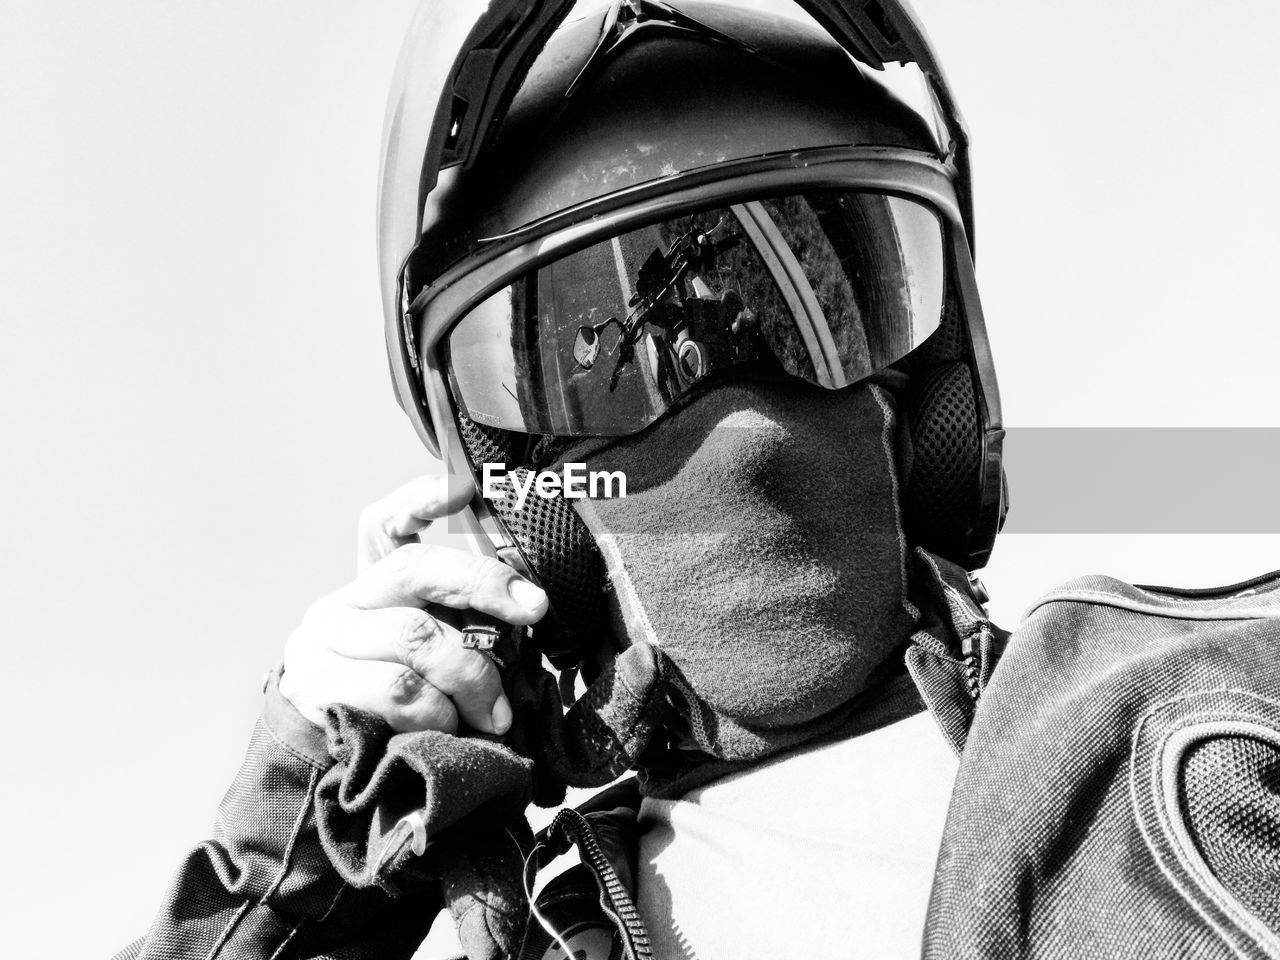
(501, 715)
(530, 596)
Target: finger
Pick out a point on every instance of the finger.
(432, 649)
(419, 573)
(397, 518)
(398, 694)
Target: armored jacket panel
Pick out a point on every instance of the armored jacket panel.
(1119, 792)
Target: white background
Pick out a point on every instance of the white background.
(194, 391)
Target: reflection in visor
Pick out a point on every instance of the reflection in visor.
(827, 287)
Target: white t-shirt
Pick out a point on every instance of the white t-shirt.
(825, 852)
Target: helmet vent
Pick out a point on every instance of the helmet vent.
(876, 15)
(457, 116)
(631, 20)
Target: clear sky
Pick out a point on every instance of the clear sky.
(194, 391)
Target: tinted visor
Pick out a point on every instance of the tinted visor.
(825, 286)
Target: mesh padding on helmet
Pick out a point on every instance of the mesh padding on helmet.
(1231, 802)
(945, 344)
(488, 444)
(941, 496)
(555, 542)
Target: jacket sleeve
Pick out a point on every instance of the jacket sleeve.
(262, 887)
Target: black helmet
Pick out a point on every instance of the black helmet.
(582, 224)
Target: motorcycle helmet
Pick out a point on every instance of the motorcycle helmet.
(586, 221)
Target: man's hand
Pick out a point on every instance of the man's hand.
(377, 645)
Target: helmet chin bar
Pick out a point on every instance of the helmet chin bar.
(419, 373)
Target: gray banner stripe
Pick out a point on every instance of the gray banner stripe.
(1143, 480)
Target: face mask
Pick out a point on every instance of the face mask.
(759, 551)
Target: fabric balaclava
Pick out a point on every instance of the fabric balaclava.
(759, 556)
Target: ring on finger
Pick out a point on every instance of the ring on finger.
(483, 639)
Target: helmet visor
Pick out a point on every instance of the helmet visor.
(824, 286)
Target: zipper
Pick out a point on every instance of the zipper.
(615, 900)
(972, 655)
